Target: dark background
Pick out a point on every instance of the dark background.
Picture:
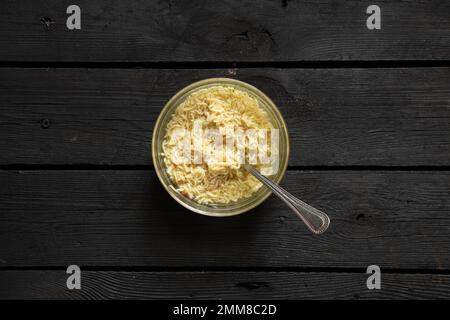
(368, 112)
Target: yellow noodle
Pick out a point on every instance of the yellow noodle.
(222, 108)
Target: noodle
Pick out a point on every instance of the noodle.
(225, 109)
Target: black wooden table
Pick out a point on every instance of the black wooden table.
(368, 112)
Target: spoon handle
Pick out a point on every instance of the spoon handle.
(316, 220)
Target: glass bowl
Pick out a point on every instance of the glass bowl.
(233, 208)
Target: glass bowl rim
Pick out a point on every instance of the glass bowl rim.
(219, 81)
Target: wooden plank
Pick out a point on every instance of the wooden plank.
(32, 284)
(234, 30)
(125, 218)
(385, 117)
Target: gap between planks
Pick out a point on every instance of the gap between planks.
(232, 65)
(229, 269)
(87, 167)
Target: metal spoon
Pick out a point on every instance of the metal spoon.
(316, 220)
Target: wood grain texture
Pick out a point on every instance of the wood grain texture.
(235, 30)
(335, 117)
(125, 218)
(220, 285)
